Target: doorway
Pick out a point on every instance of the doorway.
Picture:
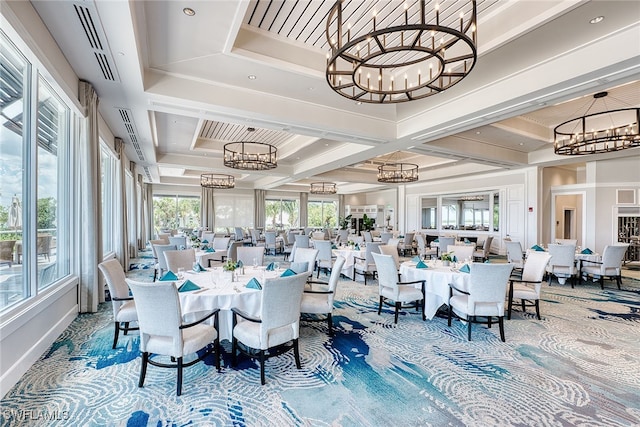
(569, 231)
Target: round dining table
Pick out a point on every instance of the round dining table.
(218, 290)
(437, 279)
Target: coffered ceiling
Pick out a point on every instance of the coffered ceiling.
(176, 88)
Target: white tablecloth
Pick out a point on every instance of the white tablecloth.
(348, 255)
(437, 283)
(203, 257)
(224, 294)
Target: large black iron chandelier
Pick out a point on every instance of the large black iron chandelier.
(249, 155)
(215, 180)
(403, 52)
(323, 188)
(397, 172)
(598, 132)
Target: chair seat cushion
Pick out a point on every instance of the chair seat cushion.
(315, 304)
(405, 293)
(521, 291)
(248, 333)
(127, 312)
(459, 305)
(195, 338)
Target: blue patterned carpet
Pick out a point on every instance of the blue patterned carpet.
(579, 365)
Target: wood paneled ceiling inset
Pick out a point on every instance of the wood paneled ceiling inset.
(227, 132)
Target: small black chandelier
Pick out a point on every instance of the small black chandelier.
(402, 54)
(595, 133)
(215, 180)
(250, 155)
(398, 172)
(323, 188)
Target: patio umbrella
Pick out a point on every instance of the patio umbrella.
(15, 214)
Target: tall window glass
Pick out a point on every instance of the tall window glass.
(14, 78)
(281, 214)
(52, 136)
(108, 190)
(322, 213)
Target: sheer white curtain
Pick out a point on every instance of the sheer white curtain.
(259, 214)
(121, 237)
(142, 225)
(90, 239)
(207, 208)
(132, 209)
(304, 210)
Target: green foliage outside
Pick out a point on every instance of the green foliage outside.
(46, 213)
(288, 209)
(322, 214)
(172, 212)
(4, 217)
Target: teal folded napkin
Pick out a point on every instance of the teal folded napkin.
(169, 276)
(254, 284)
(466, 240)
(357, 247)
(465, 269)
(416, 259)
(437, 241)
(587, 251)
(421, 265)
(198, 268)
(182, 248)
(334, 247)
(271, 267)
(188, 286)
(210, 250)
(239, 264)
(487, 262)
(454, 259)
(537, 248)
(288, 272)
(205, 241)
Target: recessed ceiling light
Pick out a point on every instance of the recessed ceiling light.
(521, 144)
(312, 88)
(326, 145)
(188, 11)
(477, 132)
(121, 53)
(359, 103)
(251, 77)
(596, 20)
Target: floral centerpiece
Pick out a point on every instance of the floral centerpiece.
(195, 241)
(229, 265)
(446, 257)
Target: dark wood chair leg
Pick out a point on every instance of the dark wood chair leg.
(330, 324)
(524, 307)
(449, 317)
(126, 328)
(501, 325)
(380, 304)
(262, 379)
(143, 369)
(115, 334)
(296, 353)
(398, 305)
(510, 302)
(234, 348)
(538, 308)
(179, 382)
(602, 282)
(619, 281)
(469, 329)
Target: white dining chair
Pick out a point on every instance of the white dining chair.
(249, 254)
(308, 256)
(180, 259)
(461, 252)
(609, 266)
(562, 264)
(320, 301)
(527, 288)
(123, 305)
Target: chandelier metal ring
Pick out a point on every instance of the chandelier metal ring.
(398, 173)
(215, 180)
(362, 68)
(249, 155)
(323, 188)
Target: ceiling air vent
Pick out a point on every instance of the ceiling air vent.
(95, 36)
(147, 173)
(130, 127)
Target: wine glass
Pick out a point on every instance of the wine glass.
(255, 263)
(180, 273)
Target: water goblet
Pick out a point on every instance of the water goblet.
(180, 273)
(255, 263)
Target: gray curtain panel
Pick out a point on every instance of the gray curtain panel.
(207, 208)
(304, 213)
(259, 214)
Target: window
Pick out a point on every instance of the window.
(52, 137)
(14, 78)
(429, 212)
(471, 212)
(281, 214)
(34, 180)
(232, 211)
(109, 184)
(322, 214)
(174, 212)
